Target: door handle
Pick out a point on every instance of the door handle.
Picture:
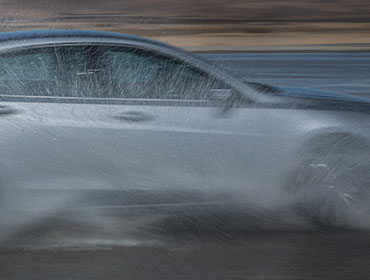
(133, 116)
(6, 110)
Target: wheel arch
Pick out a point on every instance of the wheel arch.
(333, 142)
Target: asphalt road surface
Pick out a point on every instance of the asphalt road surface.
(278, 255)
(264, 246)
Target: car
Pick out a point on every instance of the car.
(100, 120)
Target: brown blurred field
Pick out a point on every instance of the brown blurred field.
(204, 25)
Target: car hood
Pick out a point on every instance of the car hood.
(318, 94)
(305, 98)
(306, 93)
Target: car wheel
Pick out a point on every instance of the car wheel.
(333, 188)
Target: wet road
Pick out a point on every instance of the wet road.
(255, 256)
(258, 252)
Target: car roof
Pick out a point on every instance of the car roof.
(71, 33)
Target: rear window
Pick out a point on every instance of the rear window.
(27, 67)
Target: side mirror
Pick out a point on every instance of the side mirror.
(228, 99)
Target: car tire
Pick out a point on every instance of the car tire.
(332, 185)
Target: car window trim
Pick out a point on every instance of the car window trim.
(145, 47)
(250, 95)
(107, 101)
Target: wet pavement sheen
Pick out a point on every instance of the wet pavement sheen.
(278, 255)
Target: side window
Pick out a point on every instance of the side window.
(102, 72)
(75, 78)
(49, 71)
(28, 73)
(140, 74)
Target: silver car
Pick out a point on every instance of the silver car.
(98, 120)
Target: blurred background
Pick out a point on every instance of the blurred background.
(207, 25)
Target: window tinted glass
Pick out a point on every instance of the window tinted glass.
(102, 72)
(27, 73)
(27, 67)
(141, 74)
(131, 68)
(54, 71)
(75, 75)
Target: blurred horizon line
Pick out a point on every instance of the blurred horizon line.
(201, 25)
